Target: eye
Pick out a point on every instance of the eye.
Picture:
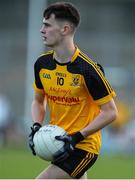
(47, 25)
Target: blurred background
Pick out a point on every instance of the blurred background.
(107, 35)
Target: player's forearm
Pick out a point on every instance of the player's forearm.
(38, 111)
(105, 117)
(102, 120)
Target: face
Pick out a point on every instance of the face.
(51, 31)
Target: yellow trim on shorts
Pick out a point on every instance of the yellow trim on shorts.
(82, 164)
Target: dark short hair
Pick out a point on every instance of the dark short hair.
(63, 11)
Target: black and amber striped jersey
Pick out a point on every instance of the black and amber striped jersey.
(74, 93)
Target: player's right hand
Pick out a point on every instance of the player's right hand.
(69, 145)
(36, 126)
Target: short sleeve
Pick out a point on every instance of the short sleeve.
(97, 84)
(37, 85)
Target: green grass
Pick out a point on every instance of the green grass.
(19, 163)
(113, 167)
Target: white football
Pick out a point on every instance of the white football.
(45, 144)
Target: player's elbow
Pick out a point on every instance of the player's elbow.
(113, 114)
(110, 111)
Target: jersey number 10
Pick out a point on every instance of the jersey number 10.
(60, 81)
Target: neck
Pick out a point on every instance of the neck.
(64, 52)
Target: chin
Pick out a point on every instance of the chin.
(49, 45)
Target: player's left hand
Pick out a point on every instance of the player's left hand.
(36, 126)
(69, 146)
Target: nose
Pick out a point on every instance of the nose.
(42, 30)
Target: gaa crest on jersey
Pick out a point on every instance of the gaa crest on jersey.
(76, 80)
(47, 76)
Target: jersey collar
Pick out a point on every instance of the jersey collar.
(75, 54)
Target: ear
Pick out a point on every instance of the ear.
(66, 29)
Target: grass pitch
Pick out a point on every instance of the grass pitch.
(19, 163)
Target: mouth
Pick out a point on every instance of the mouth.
(44, 38)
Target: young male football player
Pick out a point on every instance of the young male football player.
(79, 96)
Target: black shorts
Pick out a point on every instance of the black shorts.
(78, 163)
